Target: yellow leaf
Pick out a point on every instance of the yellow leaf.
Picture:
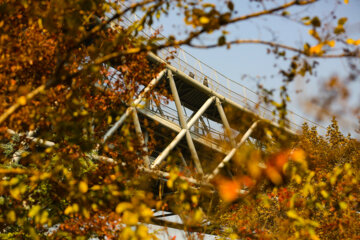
(44, 217)
(170, 183)
(253, 165)
(158, 14)
(297, 179)
(15, 193)
(94, 207)
(34, 211)
(273, 175)
(343, 205)
(11, 216)
(109, 120)
(311, 31)
(184, 185)
(75, 207)
(68, 210)
(357, 42)
(331, 43)
(316, 49)
(233, 236)
(298, 155)
(95, 187)
(142, 232)
(127, 233)
(346, 1)
(40, 23)
(122, 207)
(85, 213)
(83, 187)
(146, 212)
(350, 41)
(292, 214)
(22, 100)
(130, 218)
(204, 20)
(194, 199)
(198, 216)
(324, 194)
(14, 181)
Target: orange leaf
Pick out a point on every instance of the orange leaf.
(273, 175)
(228, 189)
(281, 159)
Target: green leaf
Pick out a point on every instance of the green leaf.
(221, 41)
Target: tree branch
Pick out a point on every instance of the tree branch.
(93, 31)
(273, 44)
(265, 12)
(21, 101)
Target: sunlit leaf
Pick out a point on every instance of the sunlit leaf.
(34, 211)
(204, 20)
(11, 216)
(83, 187)
(121, 207)
(228, 189)
(292, 214)
(22, 100)
(130, 218)
(273, 175)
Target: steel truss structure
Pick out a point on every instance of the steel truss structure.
(207, 107)
(206, 123)
(203, 123)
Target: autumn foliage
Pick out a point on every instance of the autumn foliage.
(69, 70)
(310, 192)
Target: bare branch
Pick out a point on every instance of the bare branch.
(273, 44)
(266, 12)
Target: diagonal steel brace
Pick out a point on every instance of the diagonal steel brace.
(182, 133)
(128, 111)
(233, 151)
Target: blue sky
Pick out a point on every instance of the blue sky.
(247, 64)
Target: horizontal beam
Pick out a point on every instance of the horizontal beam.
(33, 139)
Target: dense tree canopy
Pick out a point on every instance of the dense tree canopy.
(68, 70)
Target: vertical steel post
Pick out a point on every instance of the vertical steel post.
(225, 122)
(182, 121)
(140, 137)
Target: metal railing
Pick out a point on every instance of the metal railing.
(221, 84)
(169, 112)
